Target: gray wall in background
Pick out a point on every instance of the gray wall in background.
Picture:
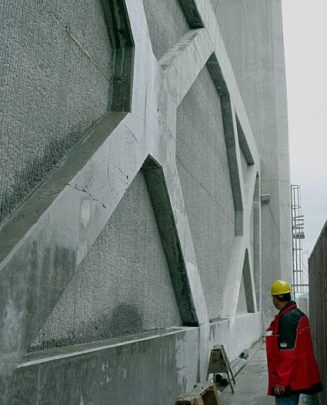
(203, 168)
(318, 304)
(253, 34)
(51, 91)
(123, 286)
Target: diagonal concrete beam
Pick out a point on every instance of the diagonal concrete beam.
(36, 271)
(191, 13)
(166, 220)
(184, 62)
(186, 242)
(208, 16)
(244, 145)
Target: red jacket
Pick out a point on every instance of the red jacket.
(291, 361)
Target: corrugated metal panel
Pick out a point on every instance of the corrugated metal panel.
(318, 304)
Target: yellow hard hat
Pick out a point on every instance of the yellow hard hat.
(280, 287)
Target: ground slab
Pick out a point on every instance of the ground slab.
(251, 383)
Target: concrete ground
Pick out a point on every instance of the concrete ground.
(251, 384)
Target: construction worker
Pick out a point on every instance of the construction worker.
(292, 368)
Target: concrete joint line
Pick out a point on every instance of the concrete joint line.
(85, 349)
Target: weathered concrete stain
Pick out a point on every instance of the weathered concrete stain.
(30, 286)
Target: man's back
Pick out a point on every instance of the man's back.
(288, 324)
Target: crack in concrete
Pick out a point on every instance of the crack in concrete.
(85, 191)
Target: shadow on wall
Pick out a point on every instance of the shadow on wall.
(125, 319)
(36, 170)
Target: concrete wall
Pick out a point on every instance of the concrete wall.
(202, 164)
(143, 368)
(253, 34)
(318, 304)
(145, 372)
(123, 285)
(51, 90)
(166, 22)
(140, 249)
(58, 73)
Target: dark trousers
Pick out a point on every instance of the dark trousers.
(289, 400)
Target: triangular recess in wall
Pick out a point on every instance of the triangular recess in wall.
(246, 302)
(133, 268)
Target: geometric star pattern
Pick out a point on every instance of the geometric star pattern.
(103, 167)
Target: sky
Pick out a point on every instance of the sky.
(305, 37)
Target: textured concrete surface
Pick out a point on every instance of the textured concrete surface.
(255, 238)
(253, 34)
(203, 168)
(57, 240)
(228, 332)
(318, 304)
(166, 23)
(122, 286)
(58, 74)
(51, 91)
(145, 368)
